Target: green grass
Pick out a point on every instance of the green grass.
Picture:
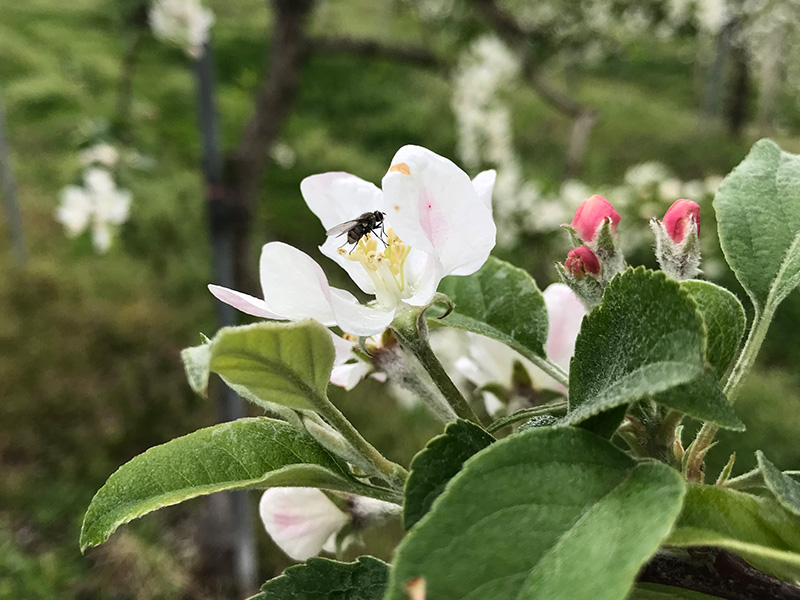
(89, 346)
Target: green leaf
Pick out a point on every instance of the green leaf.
(324, 579)
(725, 322)
(785, 488)
(652, 591)
(758, 218)
(436, 464)
(645, 338)
(756, 528)
(243, 454)
(502, 302)
(277, 363)
(704, 400)
(554, 513)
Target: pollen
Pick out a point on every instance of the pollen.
(400, 168)
(384, 262)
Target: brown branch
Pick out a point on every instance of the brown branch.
(715, 572)
(415, 55)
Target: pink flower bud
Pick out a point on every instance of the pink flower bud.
(581, 261)
(591, 214)
(679, 216)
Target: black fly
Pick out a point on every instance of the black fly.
(359, 227)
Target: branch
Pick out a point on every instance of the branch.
(715, 572)
(415, 55)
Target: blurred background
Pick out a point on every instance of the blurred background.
(643, 102)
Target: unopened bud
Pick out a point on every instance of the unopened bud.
(591, 214)
(678, 241)
(681, 218)
(582, 261)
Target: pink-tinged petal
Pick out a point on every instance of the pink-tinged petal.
(338, 197)
(434, 207)
(356, 318)
(591, 214)
(565, 314)
(250, 305)
(581, 261)
(294, 285)
(300, 520)
(356, 271)
(484, 185)
(679, 217)
(350, 375)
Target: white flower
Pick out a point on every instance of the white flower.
(102, 154)
(99, 203)
(695, 188)
(304, 521)
(670, 189)
(646, 175)
(437, 223)
(184, 23)
(348, 368)
(490, 361)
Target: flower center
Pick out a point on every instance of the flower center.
(385, 264)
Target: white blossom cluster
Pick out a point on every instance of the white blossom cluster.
(772, 35)
(182, 23)
(98, 205)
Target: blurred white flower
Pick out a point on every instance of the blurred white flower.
(645, 175)
(103, 154)
(183, 23)
(694, 189)
(99, 204)
(670, 189)
(304, 521)
(283, 155)
(712, 183)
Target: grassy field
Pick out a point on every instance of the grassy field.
(89, 346)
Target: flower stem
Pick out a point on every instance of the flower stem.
(411, 331)
(393, 473)
(526, 414)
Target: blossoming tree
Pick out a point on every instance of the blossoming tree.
(589, 491)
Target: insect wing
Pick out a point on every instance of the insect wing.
(341, 228)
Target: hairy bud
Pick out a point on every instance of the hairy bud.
(582, 261)
(591, 214)
(678, 240)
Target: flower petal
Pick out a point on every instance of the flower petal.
(356, 318)
(349, 375)
(565, 313)
(433, 206)
(337, 197)
(294, 285)
(300, 520)
(484, 185)
(356, 271)
(249, 305)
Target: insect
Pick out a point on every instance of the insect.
(359, 227)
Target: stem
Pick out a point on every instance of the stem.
(742, 367)
(392, 472)
(411, 331)
(525, 414)
(549, 367)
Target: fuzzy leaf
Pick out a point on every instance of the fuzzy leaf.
(758, 218)
(323, 579)
(502, 302)
(243, 454)
(725, 322)
(436, 464)
(554, 513)
(277, 363)
(195, 364)
(756, 528)
(644, 339)
(785, 488)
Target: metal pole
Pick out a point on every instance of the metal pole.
(220, 224)
(13, 215)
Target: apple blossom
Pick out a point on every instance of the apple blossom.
(591, 214)
(437, 223)
(184, 23)
(582, 261)
(101, 154)
(677, 240)
(681, 215)
(304, 521)
(98, 203)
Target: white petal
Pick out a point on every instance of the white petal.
(300, 520)
(98, 181)
(433, 206)
(423, 272)
(343, 349)
(75, 210)
(356, 318)
(350, 375)
(484, 185)
(565, 313)
(294, 285)
(337, 197)
(101, 237)
(249, 305)
(357, 273)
